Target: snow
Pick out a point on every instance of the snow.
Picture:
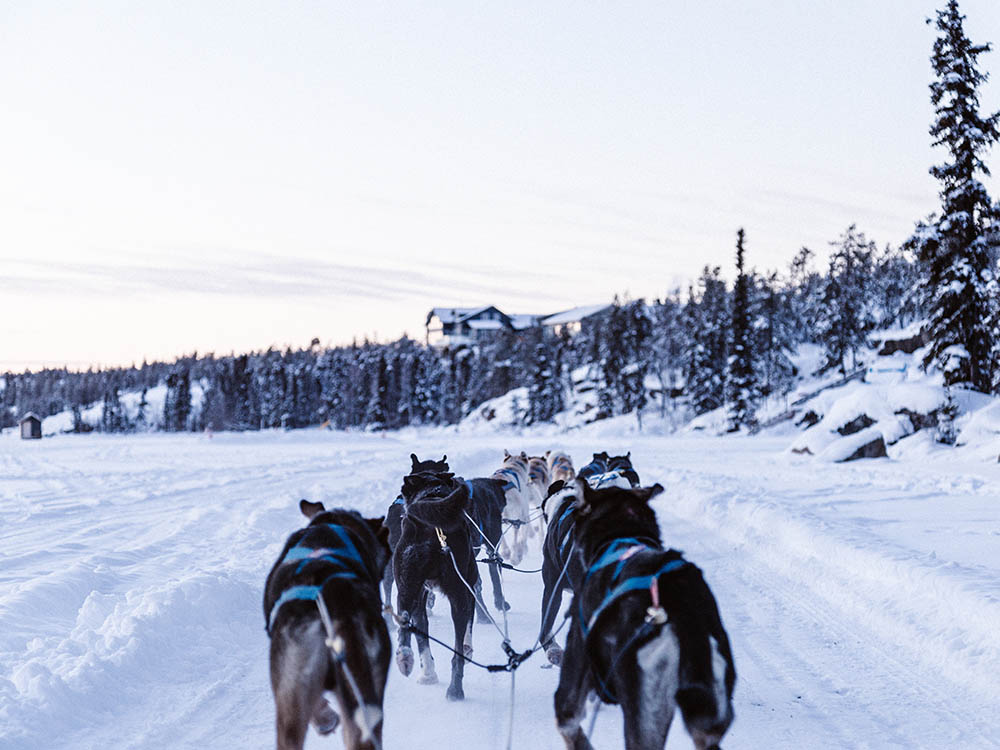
(574, 315)
(862, 599)
(155, 397)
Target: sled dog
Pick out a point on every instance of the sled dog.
(645, 630)
(336, 561)
(514, 475)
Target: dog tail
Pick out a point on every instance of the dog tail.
(444, 512)
(705, 719)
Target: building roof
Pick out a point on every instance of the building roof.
(520, 321)
(574, 315)
(454, 314)
(29, 415)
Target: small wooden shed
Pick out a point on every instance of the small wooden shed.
(31, 427)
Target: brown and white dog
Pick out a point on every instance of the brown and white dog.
(337, 559)
(560, 467)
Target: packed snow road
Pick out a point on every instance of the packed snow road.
(862, 600)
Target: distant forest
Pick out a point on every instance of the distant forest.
(685, 340)
(698, 349)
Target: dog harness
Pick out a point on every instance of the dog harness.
(509, 485)
(344, 556)
(596, 481)
(479, 523)
(594, 467)
(617, 554)
(399, 501)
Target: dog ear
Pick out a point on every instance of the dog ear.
(506, 453)
(310, 510)
(444, 458)
(547, 453)
(378, 527)
(524, 455)
(555, 487)
(414, 461)
(629, 455)
(648, 493)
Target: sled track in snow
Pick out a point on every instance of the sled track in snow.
(133, 568)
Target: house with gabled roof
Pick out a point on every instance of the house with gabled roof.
(451, 327)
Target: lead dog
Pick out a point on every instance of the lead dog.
(645, 630)
(338, 557)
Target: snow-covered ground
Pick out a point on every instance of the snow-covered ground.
(863, 599)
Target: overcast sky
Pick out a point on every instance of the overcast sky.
(227, 176)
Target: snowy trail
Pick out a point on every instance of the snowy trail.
(860, 599)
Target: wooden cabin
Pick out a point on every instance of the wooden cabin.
(31, 427)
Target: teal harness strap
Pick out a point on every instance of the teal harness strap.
(597, 481)
(511, 485)
(617, 554)
(399, 501)
(348, 563)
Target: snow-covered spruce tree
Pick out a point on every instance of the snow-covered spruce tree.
(377, 409)
(708, 322)
(545, 398)
(666, 346)
(846, 314)
(775, 335)
(958, 264)
(636, 334)
(741, 383)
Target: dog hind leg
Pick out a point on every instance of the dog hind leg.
(571, 694)
(461, 614)
(428, 674)
(299, 664)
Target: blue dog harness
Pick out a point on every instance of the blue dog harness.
(618, 554)
(594, 467)
(344, 556)
(399, 501)
(509, 485)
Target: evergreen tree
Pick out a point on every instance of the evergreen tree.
(376, 414)
(742, 385)
(955, 252)
(846, 315)
(708, 336)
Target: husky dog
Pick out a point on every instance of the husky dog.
(560, 466)
(623, 466)
(599, 465)
(645, 630)
(434, 507)
(394, 516)
(514, 475)
(561, 569)
(338, 558)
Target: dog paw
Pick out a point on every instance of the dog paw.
(428, 677)
(325, 719)
(455, 693)
(503, 606)
(555, 655)
(404, 660)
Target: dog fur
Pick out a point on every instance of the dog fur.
(435, 501)
(394, 516)
(302, 667)
(560, 466)
(514, 474)
(559, 508)
(597, 465)
(685, 663)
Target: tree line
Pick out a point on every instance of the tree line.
(699, 349)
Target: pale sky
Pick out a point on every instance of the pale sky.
(227, 176)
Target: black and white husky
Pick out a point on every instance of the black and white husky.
(394, 515)
(435, 549)
(338, 558)
(645, 631)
